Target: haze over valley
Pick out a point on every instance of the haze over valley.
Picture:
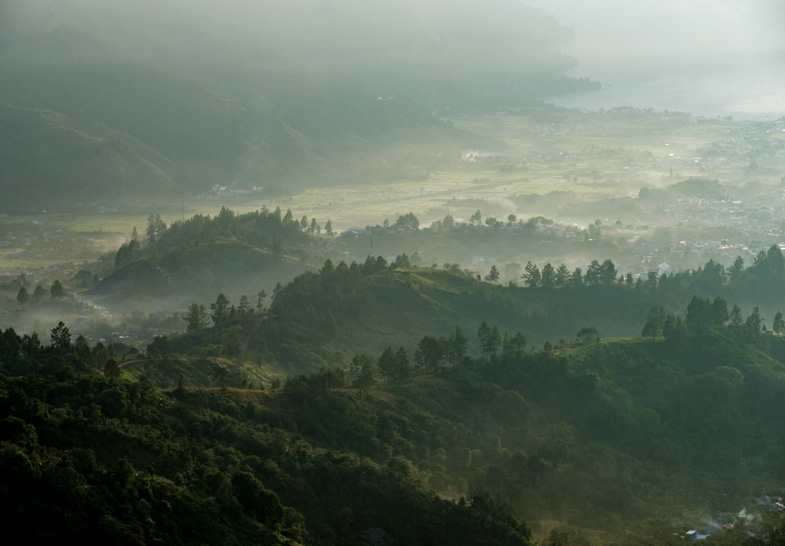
(392, 272)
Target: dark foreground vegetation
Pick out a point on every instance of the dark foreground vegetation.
(451, 436)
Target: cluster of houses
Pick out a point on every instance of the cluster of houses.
(726, 522)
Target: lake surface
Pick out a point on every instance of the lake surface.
(754, 90)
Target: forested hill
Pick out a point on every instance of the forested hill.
(625, 442)
(177, 96)
(325, 317)
(205, 255)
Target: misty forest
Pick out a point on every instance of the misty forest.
(392, 272)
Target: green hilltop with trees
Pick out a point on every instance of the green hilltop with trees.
(459, 435)
(205, 253)
(352, 308)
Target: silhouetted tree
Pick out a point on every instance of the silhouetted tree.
(39, 294)
(61, 337)
(548, 276)
(111, 369)
(512, 347)
(778, 326)
(587, 334)
(531, 275)
(457, 346)
(493, 275)
(429, 353)
(654, 322)
(220, 309)
(195, 318)
(490, 339)
(388, 365)
(260, 301)
(22, 296)
(57, 290)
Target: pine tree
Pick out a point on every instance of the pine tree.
(244, 307)
(548, 276)
(753, 324)
(22, 296)
(577, 279)
(779, 324)
(736, 320)
(593, 273)
(111, 369)
(363, 373)
(57, 290)
(83, 351)
(39, 294)
(388, 365)
(490, 339)
(654, 323)
(429, 353)
(151, 230)
(260, 301)
(220, 309)
(736, 270)
(532, 275)
(457, 346)
(512, 347)
(160, 225)
(195, 318)
(562, 275)
(493, 275)
(328, 228)
(61, 337)
(607, 272)
(403, 367)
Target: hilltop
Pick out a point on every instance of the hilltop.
(326, 316)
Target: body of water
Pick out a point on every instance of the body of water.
(754, 89)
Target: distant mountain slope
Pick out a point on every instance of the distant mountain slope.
(262, 92)
(48, 156)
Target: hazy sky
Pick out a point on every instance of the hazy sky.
(713, 57)
(612, 29)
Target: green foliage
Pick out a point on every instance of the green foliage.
(490, 339)
(134, 465)
(196, 317)
(220, 309)
(654, 322)
(408, 220)
(22, 296)
(61, 337)
(57, 291)
(493, 275)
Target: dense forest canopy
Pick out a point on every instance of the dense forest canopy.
(476, 417)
